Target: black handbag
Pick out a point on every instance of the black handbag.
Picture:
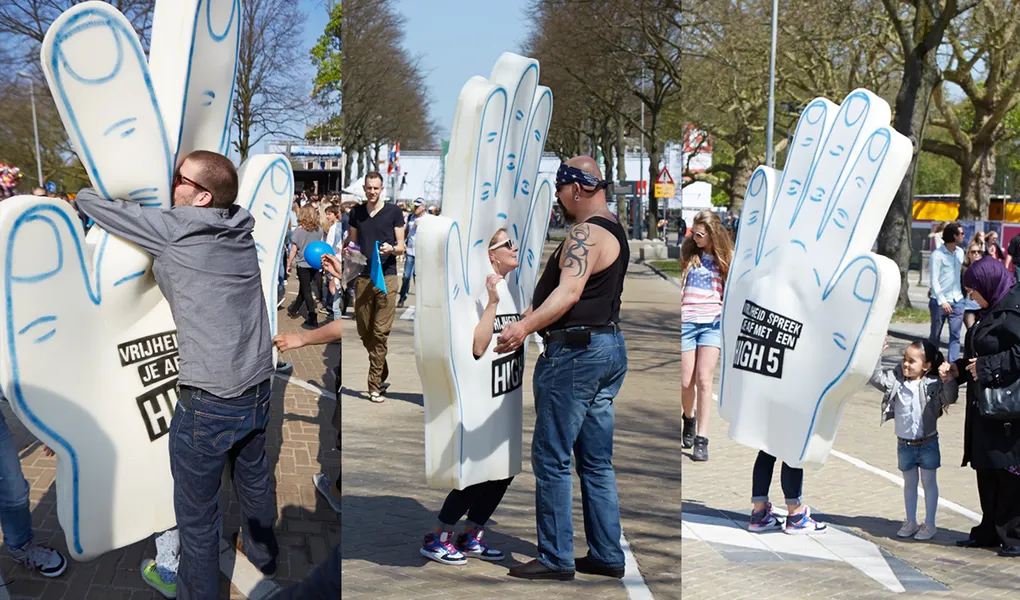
(1001, 403)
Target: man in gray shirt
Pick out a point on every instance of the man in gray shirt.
(207, 268)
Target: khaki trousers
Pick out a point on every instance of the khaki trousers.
(373, 313)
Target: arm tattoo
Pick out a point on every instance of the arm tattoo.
(577, 247)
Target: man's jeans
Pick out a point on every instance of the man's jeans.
(405, 287)
(205, 430)
(938, 319)
(15, 516)
(574, 390)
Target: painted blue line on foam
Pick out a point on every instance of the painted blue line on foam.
(46, 336)
(501, 215)
(39, 321)
(144, 198)
(143, 190)
(127, 278)
(119, 123)
(127, 133)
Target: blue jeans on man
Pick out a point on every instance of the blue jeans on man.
(205, 431)
(938, 320)
(405, 287)
(15, 515)
(574, 390)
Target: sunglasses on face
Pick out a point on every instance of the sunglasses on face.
(509, 243)
(179, 179)
(699, 234)
(975, 252)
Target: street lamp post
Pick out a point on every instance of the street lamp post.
(770, 156)
(35, 126)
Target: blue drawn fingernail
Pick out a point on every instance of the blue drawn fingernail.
(878, 144)
(219, 37)
(279, 177)
(866, 284)
(757, 182)
(815, 112)
(855, 108)
(83, 38)
(41, 216)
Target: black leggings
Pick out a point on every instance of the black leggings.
(479, 501)
(761, 479)
(305, 276)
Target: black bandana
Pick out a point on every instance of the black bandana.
(567, 174)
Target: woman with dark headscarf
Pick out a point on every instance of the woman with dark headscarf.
(991, 446)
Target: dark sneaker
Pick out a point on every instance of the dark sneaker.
(400, 304)
(765, 520)
(471, 545)
(700, 448)
(690, 425)
(49, 562)
(438, 548)
(587, 565)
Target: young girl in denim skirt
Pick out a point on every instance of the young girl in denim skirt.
(916, 394)
(705, 258)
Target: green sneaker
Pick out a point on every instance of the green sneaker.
(151, 576)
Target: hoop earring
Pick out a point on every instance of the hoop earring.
(577, 198)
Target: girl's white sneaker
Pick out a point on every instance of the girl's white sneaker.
(909, 528)
(926, 532)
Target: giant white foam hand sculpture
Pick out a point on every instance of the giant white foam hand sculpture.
(807, 305)
(88, 354)
(473, 411)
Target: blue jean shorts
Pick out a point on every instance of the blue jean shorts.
(696, 335)
(926, 455)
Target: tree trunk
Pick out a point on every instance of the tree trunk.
(348, 166)
(653, 174)
(976, 181)
(920, 76)
(621, 174)
(743, 167)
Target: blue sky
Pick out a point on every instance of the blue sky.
(457, 39)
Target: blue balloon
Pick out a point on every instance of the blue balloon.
(314, 252)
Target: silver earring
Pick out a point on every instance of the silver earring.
(577, 198)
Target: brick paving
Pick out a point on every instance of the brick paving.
(388, 507)
(301, 442)
(852, 498)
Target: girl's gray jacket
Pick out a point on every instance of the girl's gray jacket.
(933, 395)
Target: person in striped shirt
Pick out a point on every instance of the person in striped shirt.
(706, 257)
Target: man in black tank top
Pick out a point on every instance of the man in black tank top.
(576, 309)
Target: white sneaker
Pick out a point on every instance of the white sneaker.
(909, 528)
(926, 532)
(47, 561)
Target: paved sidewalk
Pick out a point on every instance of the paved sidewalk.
(301, 442)
(860, 556)
(388, 508)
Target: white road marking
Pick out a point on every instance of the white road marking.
(632, 580)
(899, 481)
(311, 387)
(246, 578)
(407, 315)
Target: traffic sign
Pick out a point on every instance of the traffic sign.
(51, 187)
(664, 185)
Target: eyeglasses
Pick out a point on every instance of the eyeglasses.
(699, 234)
(975, 252)
(179, 179)
(509, 243)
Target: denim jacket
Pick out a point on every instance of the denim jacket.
(931, 388)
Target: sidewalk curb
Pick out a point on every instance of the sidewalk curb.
(661, 273)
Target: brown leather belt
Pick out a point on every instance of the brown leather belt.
(920, 441)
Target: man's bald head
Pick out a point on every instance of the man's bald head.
(586, 163)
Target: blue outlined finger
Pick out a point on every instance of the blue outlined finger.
(265, 190)
(862, 201)
(99, 78)
(519, 76)
(196, 73)
(523, 280)
(45, 294)
(758, 201)
(860, 113)
(523, 196)
(812, 129)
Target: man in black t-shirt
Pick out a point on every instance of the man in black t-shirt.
(376, 222)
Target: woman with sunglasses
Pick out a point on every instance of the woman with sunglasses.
(480, 500)
(705, 262)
